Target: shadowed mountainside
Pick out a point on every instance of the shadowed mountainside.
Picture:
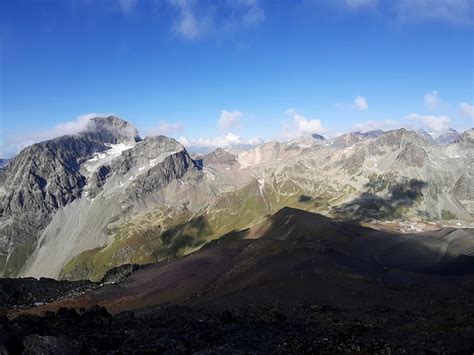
(289, 256)
(369, 204)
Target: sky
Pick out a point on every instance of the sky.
(225, 72)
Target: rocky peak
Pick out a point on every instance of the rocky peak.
(158, 144)
(111, 129)
(345, 140)
(219, 156)
(425, 135)
(372, 134)
(398, 137)
(308, 140)
(467, 137)
(448, 137)
(351, 138)
(147, 151)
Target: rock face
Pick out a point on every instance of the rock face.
(111, 130)
(449, 137)
(46, 177)
(218, 157)
(467, 137)
(119, 188)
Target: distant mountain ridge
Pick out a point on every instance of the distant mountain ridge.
(105, 197)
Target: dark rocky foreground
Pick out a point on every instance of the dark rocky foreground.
(439, 325)
(305, 328)
(30, 292)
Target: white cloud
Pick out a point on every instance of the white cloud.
(226, 141)
(198, 19)
(301, 125)
(360, 103)
(164, 128)
(229, 119)
(434, 124)
(431, 99)
(371, 125)
(466, 110)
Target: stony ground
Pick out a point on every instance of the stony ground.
(441, 327)
(29, 292)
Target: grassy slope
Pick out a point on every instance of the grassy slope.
(166, 233)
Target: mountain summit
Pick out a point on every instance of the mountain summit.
(111, 129)
(54, 175)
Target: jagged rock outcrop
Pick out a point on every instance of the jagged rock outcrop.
(467, 137)
(218, 157)
(111, 129)
(45, 177)
(346, 140)
(448, 137)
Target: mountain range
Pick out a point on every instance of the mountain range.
(106, 197)
(76, 206)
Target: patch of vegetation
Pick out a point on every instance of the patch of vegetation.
(447, 215)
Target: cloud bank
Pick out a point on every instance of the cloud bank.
(301, 125)
(226, 141)
(434, 124)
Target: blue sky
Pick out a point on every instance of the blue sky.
(226, 72)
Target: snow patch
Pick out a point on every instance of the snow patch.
(102, 158)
